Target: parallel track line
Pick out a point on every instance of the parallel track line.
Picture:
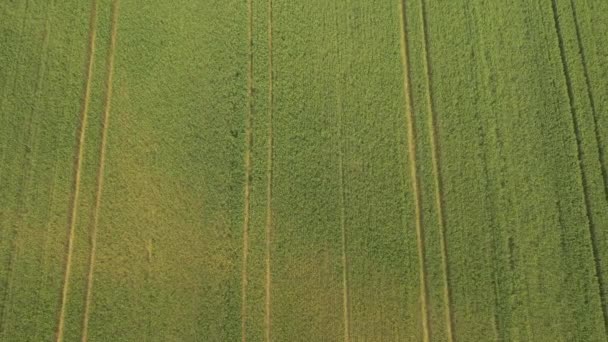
(435, 156)
(411, 132)
(100, 172)
(591, 225)
(598, 139)
(77, 171)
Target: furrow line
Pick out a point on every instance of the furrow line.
(598, 140)
(77, 170)
(100, 171)
(248, 166)
(269, 174)
(591, 224)
(435, 157)
(411, 132)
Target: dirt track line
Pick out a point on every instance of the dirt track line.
(269, 174)
(77, 170)
(435, 150)
(591, 225)
(598, 140)
(248, 147)
(100, 172)
(411, 132)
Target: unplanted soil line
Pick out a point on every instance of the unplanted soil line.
(435, 150)
(77, 170)
(269, 223)
(426, 330)
(598, 139)
(591, 225)
(101, 169)
(248, 146)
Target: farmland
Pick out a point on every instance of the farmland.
(273, 170)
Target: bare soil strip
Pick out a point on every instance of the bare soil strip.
(411, 132)
(592, 228)
(77, 170)
(100, 171)
(435, 150)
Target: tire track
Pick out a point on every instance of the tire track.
(598, 139)
(100, 172)
(411, 132)
(575, 123)
(77, 170)
(270, 157)
(435, 157)
(248, 177)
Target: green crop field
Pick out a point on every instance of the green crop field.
(319, 170)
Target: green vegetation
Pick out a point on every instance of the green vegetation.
(304, 171)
